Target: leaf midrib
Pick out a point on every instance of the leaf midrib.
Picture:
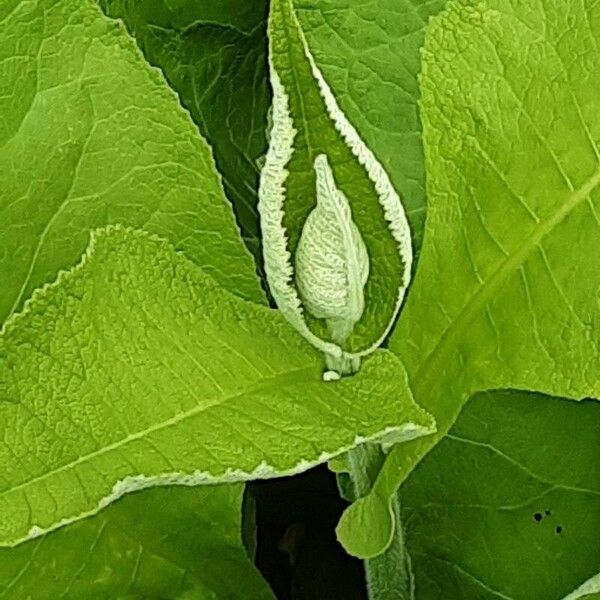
(266, 383)
(429, 368)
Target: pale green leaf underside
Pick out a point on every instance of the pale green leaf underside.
(308, 123)
(91, 135)
(589, 590)
(506, 295)
(332, 264)
(213, 54)
(503, 510)
(160, 543)
(136, 369)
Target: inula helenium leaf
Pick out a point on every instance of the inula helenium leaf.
(336, 240)
(136, 369)
(213, 54)
(91, 135)
(506, 296)
(508, 501)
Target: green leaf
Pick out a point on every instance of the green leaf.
(91, 135)
(136, 369)
(506, 295)
(160, 543)
(308, 123)
(369, 53)
(519, 517)
(214, 55)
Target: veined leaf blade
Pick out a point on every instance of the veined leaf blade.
(507, 287)
(369, 53)
(214, 55)
(136, 369)
(519, 515)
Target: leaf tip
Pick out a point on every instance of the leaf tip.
(366, 527)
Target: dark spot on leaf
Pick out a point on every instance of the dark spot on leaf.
(537, 517)
(548, 513)
(558, 529)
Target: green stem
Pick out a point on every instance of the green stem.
(343, 365)
(389, 576)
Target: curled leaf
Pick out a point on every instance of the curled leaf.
(332, 264)
(351, 269)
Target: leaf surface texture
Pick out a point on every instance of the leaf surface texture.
(506, 294)
(136, 369)
(162, 543)
(503, 510)
(214, 55)
(91, 135)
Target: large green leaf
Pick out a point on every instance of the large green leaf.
(156, 544)
(369, 52)
(136, 369)
(309, 131)
(508, 504)
(91, 135)
(506, 295)
(214, 54)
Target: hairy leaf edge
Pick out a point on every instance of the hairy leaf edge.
(263, 470)
(591, 586)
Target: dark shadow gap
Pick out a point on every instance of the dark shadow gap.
(297, 551)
